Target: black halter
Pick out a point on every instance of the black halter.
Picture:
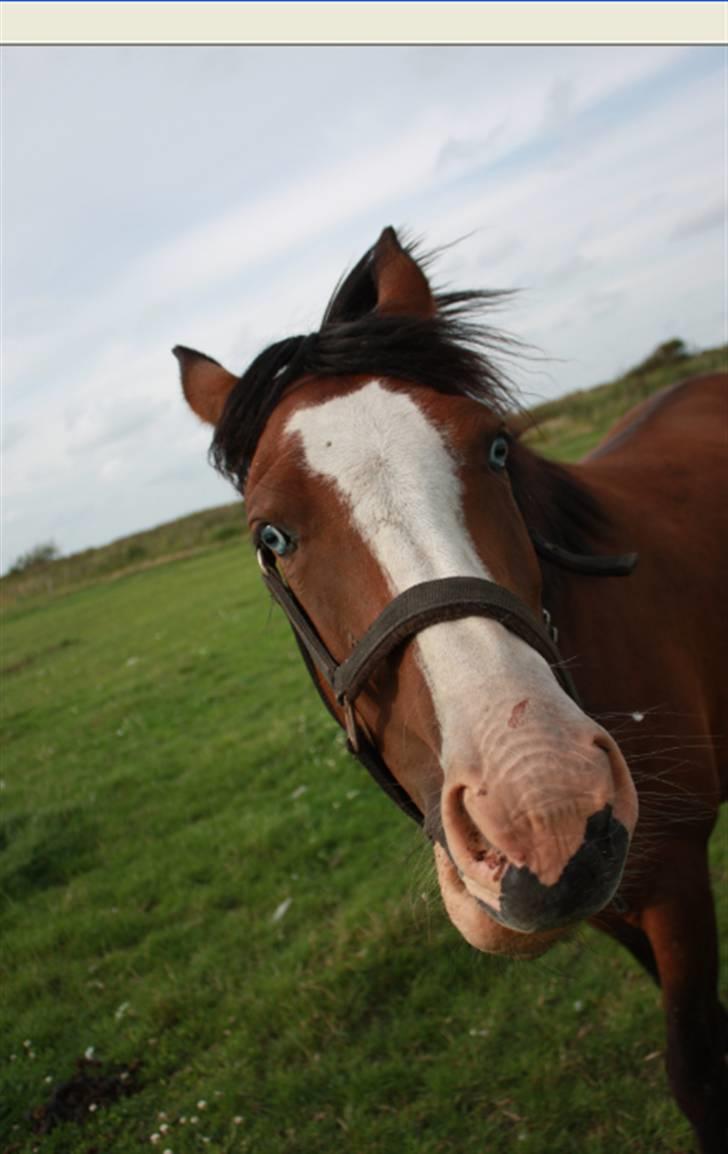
(448, 599)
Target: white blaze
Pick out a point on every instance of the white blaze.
(399, 478)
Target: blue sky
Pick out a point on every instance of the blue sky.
(213, 196)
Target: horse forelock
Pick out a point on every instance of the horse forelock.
(452, 352)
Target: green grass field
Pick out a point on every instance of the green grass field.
(203, 894)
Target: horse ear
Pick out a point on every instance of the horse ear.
(205, 383)
(401, 285)
(387, 279)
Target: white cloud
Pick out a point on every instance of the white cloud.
(179, 207)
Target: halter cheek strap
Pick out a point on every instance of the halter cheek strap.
(432, 602)
(429, 603)
(365, 752)
(588, 565)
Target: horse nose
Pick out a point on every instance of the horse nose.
(541, 850)
(588, 882)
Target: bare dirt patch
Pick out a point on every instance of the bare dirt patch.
(93, 1085)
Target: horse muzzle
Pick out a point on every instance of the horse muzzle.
(587, 884)
(538, 851)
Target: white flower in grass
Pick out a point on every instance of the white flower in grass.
(237, 1119)
(164, 1128)
(93, 1107)
(88, 1053)
(120, 1011)
(154, 1138)
(202, 1104)
(194, 1120)
(281, 910)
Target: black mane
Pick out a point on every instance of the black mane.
(448, 352)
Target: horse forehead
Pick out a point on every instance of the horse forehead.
(372, 436)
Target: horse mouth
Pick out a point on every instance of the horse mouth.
(471, 907)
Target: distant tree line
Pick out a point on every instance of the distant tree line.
(36, 557)
(668, 353)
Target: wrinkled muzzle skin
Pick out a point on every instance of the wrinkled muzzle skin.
(536, 805)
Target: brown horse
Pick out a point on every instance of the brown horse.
(414, 542)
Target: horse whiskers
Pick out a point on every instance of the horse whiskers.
(648, 783)
(659, 806)
(423, 887)
(423, 878)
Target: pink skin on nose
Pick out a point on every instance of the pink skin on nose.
(531, 796)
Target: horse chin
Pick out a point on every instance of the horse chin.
(477, 926)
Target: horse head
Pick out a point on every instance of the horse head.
(375, 456)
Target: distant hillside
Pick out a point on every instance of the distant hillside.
(196, 533)
(565, 428)
(569, 426)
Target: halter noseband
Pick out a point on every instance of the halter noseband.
(431, 602)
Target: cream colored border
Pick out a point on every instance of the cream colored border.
(417, 22)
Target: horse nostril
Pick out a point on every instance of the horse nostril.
(467, 844)
(472, 838)
(623, 806)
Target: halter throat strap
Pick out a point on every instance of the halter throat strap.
(587, 564)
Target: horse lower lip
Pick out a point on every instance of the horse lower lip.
(481, 893)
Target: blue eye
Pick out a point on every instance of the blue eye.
(498, 454)
(276, 540)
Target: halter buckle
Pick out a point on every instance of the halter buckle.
(550, 627)
(350, 722)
